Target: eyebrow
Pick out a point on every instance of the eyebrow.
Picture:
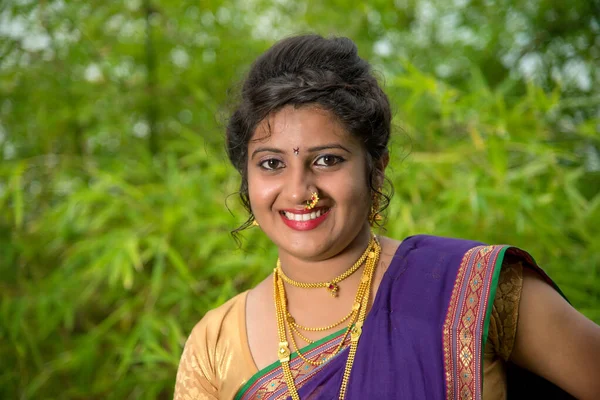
(328, 146)
(266, 149)
(310, 149)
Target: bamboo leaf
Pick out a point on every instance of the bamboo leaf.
(17, 192)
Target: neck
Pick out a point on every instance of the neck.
(310, 271)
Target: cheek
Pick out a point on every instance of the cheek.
(359, 194)
(353, 191)
(261, 191)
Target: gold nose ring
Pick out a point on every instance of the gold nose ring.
(314, 199)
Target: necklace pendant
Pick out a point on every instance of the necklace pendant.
(284, 352)
(356, 332)
(333, 289)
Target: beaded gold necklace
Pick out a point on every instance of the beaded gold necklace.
(332, 285)
(357, 318)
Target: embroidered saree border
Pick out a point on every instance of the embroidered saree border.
(467, 321)
(270, 383)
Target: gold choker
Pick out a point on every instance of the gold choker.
(332, 285)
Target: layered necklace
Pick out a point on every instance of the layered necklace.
(356, 317)
(331, 286)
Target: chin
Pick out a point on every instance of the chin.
(306, 246)
(317, 245)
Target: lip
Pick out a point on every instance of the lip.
(304, 225)
(303, 210)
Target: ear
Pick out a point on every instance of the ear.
(380, 167)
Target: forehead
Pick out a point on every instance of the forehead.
(302, 126)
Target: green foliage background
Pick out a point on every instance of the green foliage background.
(115, 189)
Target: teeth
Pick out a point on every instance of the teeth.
(303, 217)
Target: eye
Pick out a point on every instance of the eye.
(271, 164)
(328, 160)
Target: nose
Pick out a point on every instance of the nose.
(299, 185)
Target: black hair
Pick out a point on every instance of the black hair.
(310, 69)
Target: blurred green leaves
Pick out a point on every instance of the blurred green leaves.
(110, 253)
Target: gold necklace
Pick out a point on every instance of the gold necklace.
(332, 285)
(292, 321)
(357, 328)
(355, 308)
(354, 327)
(293, 340)
(296, 327)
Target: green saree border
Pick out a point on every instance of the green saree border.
(492, 296)
(259, 374)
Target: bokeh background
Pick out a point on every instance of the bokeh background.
(116, 197)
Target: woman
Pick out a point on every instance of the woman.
(346, 314)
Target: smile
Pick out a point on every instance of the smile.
(304, 216)
(303, 220)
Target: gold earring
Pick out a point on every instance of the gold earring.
(374, 215)
(254, 223)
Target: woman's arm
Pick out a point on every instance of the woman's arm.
(193, 380)
(555, 341)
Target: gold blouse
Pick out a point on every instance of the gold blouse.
(216, 360)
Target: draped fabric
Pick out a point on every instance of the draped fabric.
(424, 336)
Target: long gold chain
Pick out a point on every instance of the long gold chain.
(293, 340)
(292, 322)
(300, 335)
(297, 328)
(357, 328)
(354, 327)
(355, 308)
(283, 353)
(332, 285)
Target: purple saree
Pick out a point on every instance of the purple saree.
(424, 336)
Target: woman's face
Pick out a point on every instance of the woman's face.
(293, 153)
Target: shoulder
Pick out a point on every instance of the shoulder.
(210, 328)
(203, 366)
(431, 254)
(216, 335)
(440, 243)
